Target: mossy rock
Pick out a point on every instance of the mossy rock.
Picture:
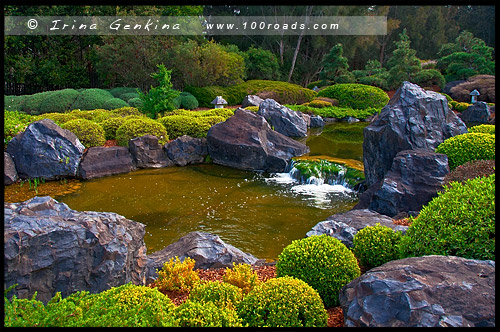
(137, 127)
(89, 133)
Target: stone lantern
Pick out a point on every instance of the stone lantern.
(316, 88)
(219, 102)
(474, 93)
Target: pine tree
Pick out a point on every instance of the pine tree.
(403, 64)
(335, 66)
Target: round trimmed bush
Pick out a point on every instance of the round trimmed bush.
(58, 118)
(59, 101)
(135, 102)
(127, 96)
(32, 103)
(429, 77)
(357, 96)
(120, 91)
(138, 127)
(89, 133)
(111, 125)
(203, 124)
(13, 103)
(334, 102)
(466, 147)
(187, 101)
(323, 262)
(126, 111)
(98, 115)
(206, 314)
(317, 103)
(458, 106)
(376, 245)
(177, 125)
(114, 103)
(483, 128)
(460, 222)
(91, 99)
(283, 302)
(222, 294)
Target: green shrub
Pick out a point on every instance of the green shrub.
(98, 115)
(467, 147)
(376, 245)
(58, 118)
(252, 108)
(483, 128)
(23, 312)
(429, 77)
(135, 102)
(448, 98)
(316, 103)
(332, 101)
(458, 106)
(194, 126)
(14, 123)
(89, 133)
(241, 276)
(460, 222)
(59, 101)
(336, 112)
(187, 101)
(127, 96)
(91, 99)
(119, 92)
(205, 95)
(126, 111)
(379, 81)
(114, 103)
(13, 103)
(283, 302)
(203, 124)
(32, 103)
(222, 294)
(111, 125)
(206, 314)
(137, 127)
(357, 96)
(177, 276)
(323, 262)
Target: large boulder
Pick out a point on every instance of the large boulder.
(51, 248)
(148, 153)
(283, 119)
(246, 141)
(413, 180)
(251, 100)
(9, 170)
(428, 291)
(45, 150)
(478, 112)
(100, 161)
(412, 119)
(316, 122)
(343, 226)
(186, 150)
(208, 250)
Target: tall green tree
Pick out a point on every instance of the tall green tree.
(403, 64)
(335, 66)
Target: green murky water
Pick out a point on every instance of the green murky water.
(248, 210)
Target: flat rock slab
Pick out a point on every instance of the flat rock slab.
(100, 161)
(428, 291)
(208, 250)
(51, 248)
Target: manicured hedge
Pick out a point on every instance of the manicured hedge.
(59, 101)
(466, 147)
(357, 96)
(88, 132)
(114, 103)
(32, 103)
(91, 99)
(138, 127)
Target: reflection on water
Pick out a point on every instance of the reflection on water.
(256, 213)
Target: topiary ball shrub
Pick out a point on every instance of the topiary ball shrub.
(458, 106)
(222, 294)
(188, 101)
(459, 222)
(98, 115)
(135, 102)
(89, 133)
(138, 127)
(118, 92)
(376, 245)
(126, 111)
(32, 103)
(466, 147)
(483, 128)
(177, 125)
(357, 96)
(114, 103)
(59, 101)
(127, 96)
(58, 118)
(111, 125)
(91, 99)
(323, 262)
(283, 302)
(204, 314)
(317, 103)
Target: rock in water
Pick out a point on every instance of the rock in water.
(412, 119)
(50, 248)
(186, 150)
(100, 161)
(283, 119)
(428, 291)
(148, 153)
(246, 141)
(45, 150)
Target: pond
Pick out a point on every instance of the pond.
(257, 213)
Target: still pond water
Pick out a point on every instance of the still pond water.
(257, 213)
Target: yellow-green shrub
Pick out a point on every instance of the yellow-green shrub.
(137, 127)
(194, 126)
(252, 108)
(317, 103)
(97, 115)
(126, 111)
(222, 294)
(323, 262)
(458, 106)
(242, 276)
(111, 125)
(483, 128)
(283, 302)
(206, 314)
(357, 96)
(58, 118)
(466, 147)
(177, 276)
(114, 103)
(89, 133)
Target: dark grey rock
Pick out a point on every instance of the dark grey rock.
(316, 122)
(428, 291)
(350, 119)
(413, 180)
(148, 153)
(477, 113)
(251, 100)
(100, 161)
(283, 119)
(9, 170)
(413, 119)
(186, 150)
(344, 226)
(246, 141)
(449, 85)
(51, 248)
(45, 150)
(208, 250)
